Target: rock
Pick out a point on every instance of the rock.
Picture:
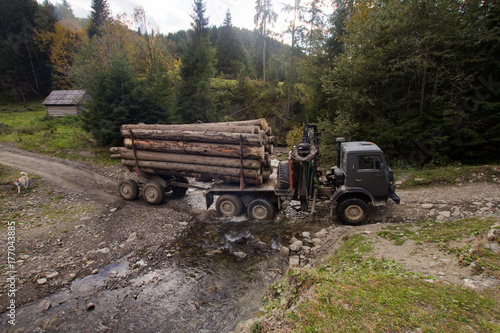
(45, 305)
(492, 235)
(212, 252)
(296, 246)
(427, 206)
(469, 284)
(90, 306)
(293, 240)
(316, 241)
(132, 237)
(245, 326)
(24, 256)
(294, 261)
(95, 271)
(104, 250)
(284, 250)
(240, 255)
(41, 281)
(184, 224)
(321, 234)
(51, 275)
(112, 210)
(445, 213)
(72, 276)
(306, 234)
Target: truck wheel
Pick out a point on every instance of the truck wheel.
(283, 176)
(229, 205)
(180, 192)
(153, 193)
(352, 211)
(128, 189)
(261, 209)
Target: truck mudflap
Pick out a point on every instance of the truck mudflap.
(209, 198)
(395, 197)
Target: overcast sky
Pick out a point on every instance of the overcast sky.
(174, 15)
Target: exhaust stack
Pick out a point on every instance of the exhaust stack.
(339, 146)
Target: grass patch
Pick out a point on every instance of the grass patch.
(8, 175)
(447, 235)
(452, 174)
(31, 129)
(354, 292)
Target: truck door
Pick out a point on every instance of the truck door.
(371, 173)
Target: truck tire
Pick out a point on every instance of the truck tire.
(153, 193)
(128, 189)
(260, 209)
(180, 192)
(283, 176)
(229, 205)
(352, 211)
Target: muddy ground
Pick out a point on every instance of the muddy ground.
(71, 224)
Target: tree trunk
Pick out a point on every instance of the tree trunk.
(128, 154)
(250, 129)
(180, 173)
(198, 148)
(189, 169)
(207, 136)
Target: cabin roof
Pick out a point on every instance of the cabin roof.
(65, 97)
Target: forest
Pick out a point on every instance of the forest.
(421, 78)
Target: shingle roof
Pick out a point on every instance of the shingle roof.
(65, 97)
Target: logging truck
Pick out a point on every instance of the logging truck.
(237, 154)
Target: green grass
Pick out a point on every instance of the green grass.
(31, 129)
(355, 292)
(451, 174)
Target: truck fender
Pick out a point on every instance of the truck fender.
(352, 190)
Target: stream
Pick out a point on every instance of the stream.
(209, 283)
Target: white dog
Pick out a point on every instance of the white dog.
(23, 181)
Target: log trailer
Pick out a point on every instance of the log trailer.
(360, 179)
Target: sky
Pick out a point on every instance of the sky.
(174, 15)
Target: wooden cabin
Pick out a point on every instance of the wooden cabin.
(61, 103)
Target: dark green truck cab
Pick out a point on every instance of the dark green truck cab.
(361, 178)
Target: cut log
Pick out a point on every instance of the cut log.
(262, 123)
(202, 136)
(200, 175)
(250, 129)
(198, 148)
(195, 169)
(128, 154)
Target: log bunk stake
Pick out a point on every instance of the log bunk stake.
(230, 151)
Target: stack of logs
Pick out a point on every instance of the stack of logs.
(208, 151)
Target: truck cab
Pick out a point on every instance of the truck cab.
(361, 178)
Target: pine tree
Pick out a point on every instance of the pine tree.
(229, 51)
(98, 16)
(195, 101)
